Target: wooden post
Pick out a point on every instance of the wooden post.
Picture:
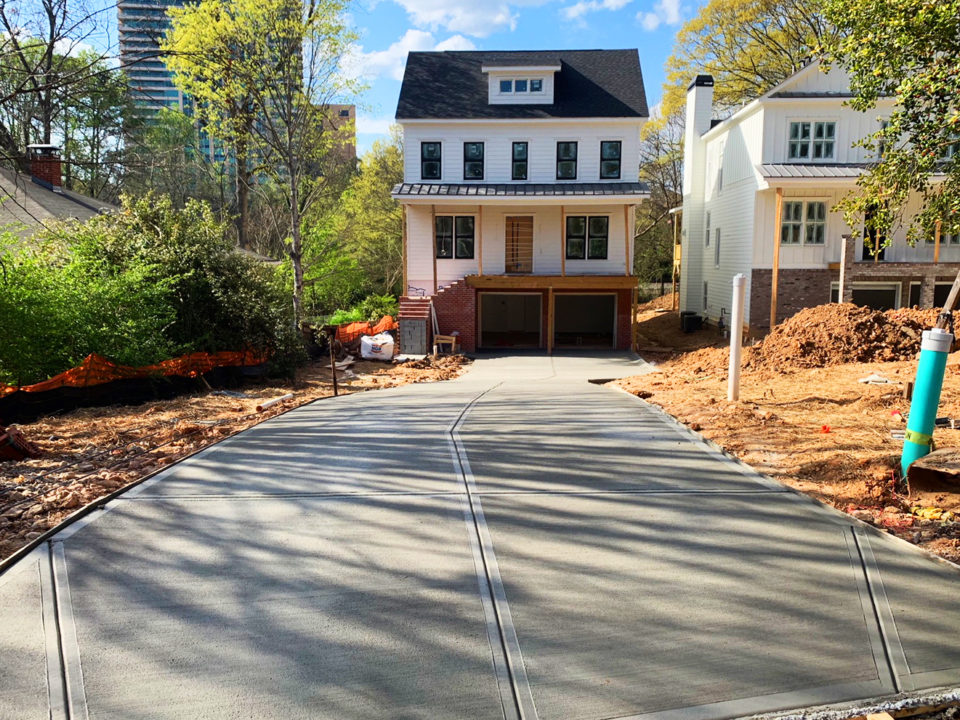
(550, 320)
(634, 300)
(480, 240)
(563, 240)
(433, 234)
(626, 239)
(406, 277)
(777, 219)
(331, 336)
(674, 268)
(936, 242)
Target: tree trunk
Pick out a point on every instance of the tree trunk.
(243, 194)
(296, 249)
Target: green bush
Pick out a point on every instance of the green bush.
(138, 286)
(370, 309)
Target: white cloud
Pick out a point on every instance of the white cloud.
(372, 124)
(477, 18)
(578, 10)
(665, 12)
(391, 62)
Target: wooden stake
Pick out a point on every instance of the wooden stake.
(777, 219)
(673, 271)
(563, 241)
(936, 242)
(433, 233)
(333, 362)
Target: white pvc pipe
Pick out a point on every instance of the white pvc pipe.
(736, 337)
(270, 403)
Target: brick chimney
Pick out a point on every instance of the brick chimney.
(45, 164)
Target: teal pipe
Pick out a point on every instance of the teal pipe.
(926, 396)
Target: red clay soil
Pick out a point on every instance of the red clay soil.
(804, 418)
(90, 453)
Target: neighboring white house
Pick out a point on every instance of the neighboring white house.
(797, 141)
(519, 190)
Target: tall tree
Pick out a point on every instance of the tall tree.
(288, 63)
(908, 50)
(749, 46)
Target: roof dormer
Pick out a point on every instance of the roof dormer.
(520, 84)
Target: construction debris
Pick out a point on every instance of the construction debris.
(14, 446)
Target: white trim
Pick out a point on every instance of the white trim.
(518, 199)
(518, 69)
(619, 120)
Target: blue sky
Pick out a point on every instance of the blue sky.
(390, 28)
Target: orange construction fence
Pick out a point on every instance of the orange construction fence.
(96, 370)
(351, 331)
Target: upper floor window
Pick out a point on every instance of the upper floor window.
(812, 140)
(473, 161)
(429, 161)
(803, 222)
(707, 236)
(716, 249)
(950, 150)
(587, 237)
(945, 238)
(519, 161)
(566, 161)
(521, 86)
(454, 236)
(610, 159)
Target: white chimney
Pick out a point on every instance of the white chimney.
(697, 122)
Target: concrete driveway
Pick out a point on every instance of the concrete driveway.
(516, 543)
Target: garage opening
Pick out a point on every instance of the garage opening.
(510, 320)
(585, 320)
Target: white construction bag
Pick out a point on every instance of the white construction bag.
(377, 347)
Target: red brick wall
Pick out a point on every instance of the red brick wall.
(47, 169)
(624, 328)
(796, 290)
(456, 308)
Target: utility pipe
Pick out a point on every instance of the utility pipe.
(736, 337)
(270, 403)
(926, 396)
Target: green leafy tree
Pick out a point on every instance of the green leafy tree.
(749, 46)
(908, 50)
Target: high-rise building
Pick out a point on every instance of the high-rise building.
(142, 24)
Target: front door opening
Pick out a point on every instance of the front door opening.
(519, 244)
(585, 320)
(510, 320)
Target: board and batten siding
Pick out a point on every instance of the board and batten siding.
(547, 243)
(498, 139)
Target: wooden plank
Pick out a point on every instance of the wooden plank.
(777, 220)
(406, 277)
(563, 240)
(480, 240)
(676, 262)
(433, 234)
(936, 242)
(634, 301)
(558, 282)
(550, 320)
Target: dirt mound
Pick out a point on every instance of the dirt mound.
(842, 333)
(429, 369)
(664, 302)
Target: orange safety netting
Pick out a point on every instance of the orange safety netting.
(351, 331)
(96, 370)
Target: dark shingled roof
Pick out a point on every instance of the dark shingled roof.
(521, 190)
(590, 83)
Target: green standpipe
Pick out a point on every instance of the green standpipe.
(926, 396)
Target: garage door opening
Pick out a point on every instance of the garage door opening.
(510, 320)
(585, 320)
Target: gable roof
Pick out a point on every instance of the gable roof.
(25, 204)
(591, 83)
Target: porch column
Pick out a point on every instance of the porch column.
(775, 276)
(550, 320)
(403, 221)
(846, 268)
(626, 239)
(480, 240)
(433, 250)
(563, 240)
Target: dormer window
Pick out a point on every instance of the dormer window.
(536, 85)
(506, 86)
(520, 86)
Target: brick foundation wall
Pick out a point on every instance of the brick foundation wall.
(456, 308)
(796, 290)
(624, 327)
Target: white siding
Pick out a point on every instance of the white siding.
(547, 243)
(498, 141)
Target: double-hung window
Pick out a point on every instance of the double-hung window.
(587, 237)
(803, 223)
(473, 161)
(812, 140)
(454, 236)
(706, 237)
(429, 161)
(519, 161)
(610, 159)
(566, 161)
